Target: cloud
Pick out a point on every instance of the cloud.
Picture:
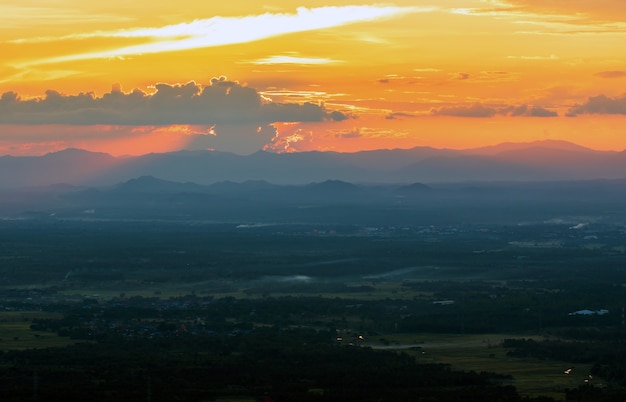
(399, 115)
(540, 58)
(426, 70)
(220, 102)
(611, 74)
(487, 76)
(239, 139)
(474, 110)
(15, 16)
(555, 16)
(220, 31)
(481, 111)
(600, 104)
(348, 134)
(295, 60)
(535, 111)
(391, 78)
(603, 10)
(222, 115)
(295, 137)
(291, 138)
(336, 115)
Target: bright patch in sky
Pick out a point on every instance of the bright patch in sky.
(294, 60)
(220, 31)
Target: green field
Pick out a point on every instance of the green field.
(531, 377)
(15, 332)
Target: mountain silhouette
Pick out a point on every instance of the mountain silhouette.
(543, 160)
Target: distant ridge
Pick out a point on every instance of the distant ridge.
(415, 189)
(240, 187)
(516, 146)
(150, 184)
(533, 161)
(334, 186)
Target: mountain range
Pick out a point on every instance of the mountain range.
(535, 161)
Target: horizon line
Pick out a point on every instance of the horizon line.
(565, 144)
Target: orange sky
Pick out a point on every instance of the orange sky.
(136, 77)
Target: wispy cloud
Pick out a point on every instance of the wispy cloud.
(14, 16)
(480, 110)
(611, 74)
(39, 74)
(542, 58)
(294, 60)
(474, 110)
(426, 70)
(220, 31)
(557, 17)
(590, 11)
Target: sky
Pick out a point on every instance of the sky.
(131, 78)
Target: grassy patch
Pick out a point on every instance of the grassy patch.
(15, 332)
(532, 377)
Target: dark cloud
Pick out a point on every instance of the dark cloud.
(236, 117)
(518, 110)
(541, 112)
(611, 74)
(463, 76)
(293, 112)
(475, 110)
(535, 111)
(220, 102)
(354, 133)
(480, 110)
(338, 116)
(398, 115)
(600, 104)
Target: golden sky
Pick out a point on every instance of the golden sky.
(135, 77)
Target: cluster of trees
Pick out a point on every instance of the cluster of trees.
(284, 346)
(284, 364)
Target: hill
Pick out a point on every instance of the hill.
(521, 162)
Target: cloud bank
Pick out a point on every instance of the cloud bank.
(222, 115)
(221, 102)
(600, 104)
(478, 110)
